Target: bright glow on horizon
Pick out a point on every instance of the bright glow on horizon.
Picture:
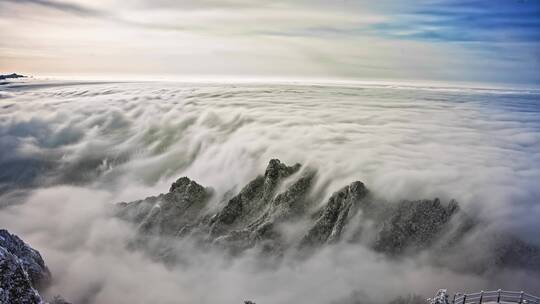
(438, 41)
(234, 79)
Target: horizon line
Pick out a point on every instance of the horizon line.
(286, 80)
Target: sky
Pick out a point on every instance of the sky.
(491, 41)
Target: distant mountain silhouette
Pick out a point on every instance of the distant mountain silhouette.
(10, 76)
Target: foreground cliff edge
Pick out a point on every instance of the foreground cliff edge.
(23, 272)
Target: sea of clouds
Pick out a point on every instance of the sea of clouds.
(70, 150)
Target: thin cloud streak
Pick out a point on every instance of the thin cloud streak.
(66, 7)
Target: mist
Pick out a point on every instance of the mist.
(70, 152)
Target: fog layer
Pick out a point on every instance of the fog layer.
(68, 152)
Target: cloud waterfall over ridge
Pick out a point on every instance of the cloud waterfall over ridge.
(71, 151)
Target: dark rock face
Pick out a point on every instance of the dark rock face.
(248, 205)
(169, 213)
(15, 286)
(335, 215)
(255, 217)
(264, 212)
(22, 271)
(413, 224)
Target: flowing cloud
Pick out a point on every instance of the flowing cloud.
(91, 263)
(116, 130)
(70, 151)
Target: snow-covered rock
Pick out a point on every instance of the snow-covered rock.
(252, 217)
(255, 217)
(440, 298)
(22, 271)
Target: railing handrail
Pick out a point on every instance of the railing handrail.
(498, 296)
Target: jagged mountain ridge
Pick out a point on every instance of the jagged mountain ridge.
(252, 219)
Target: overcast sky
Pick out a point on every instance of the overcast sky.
(493, 41)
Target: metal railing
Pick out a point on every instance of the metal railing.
(496, 296)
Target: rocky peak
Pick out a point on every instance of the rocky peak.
(276, 169)
(257, 197)
(335, 214)
(184, 184)
(274, 174)
(168, 213)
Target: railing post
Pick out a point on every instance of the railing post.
(481, 296)
(521, 297)
(498, 296)
(464, 298)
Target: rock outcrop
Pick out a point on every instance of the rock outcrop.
(413, 224)
(254, 218)
(281, 195)
(22, 271)
(169, 213)
(341, 206)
